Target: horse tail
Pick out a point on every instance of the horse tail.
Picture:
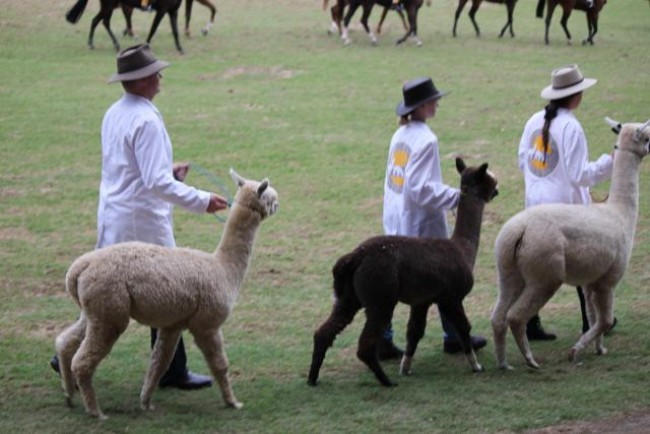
(73, 15)
(343, 271)
(540, 8)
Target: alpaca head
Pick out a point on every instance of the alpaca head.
(632, 137)
(258, 196)
(477, 181)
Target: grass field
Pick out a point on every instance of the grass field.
(270, 93)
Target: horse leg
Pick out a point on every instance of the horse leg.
(592, 27)
(173, 21)
(188, 17)
(411, 12)
(213, 14)
(367, 9)
(414, 332)
(127, 11)
(377, 320)
(459, 10)
(342, 315)
(472, 14)
(565, 19)
(510, 6)
(106, 20)
(549, 15)
(354, 5)
(381, 20)
(93, 24)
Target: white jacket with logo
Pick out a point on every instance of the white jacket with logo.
(415, 197)
(563, 174)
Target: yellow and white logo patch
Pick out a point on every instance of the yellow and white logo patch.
(541, 162)
(397, 167)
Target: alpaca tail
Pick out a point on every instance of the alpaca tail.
(540, 8)
(73, 15)
(72, 277)
(342, 272)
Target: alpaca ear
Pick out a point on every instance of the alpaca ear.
(460, 165)
(236, 177)
(483, 169)
(263, 186)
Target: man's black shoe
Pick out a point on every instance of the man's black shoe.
(535, 331)
(54, 363)
(190, 382)
(453, 347)
(386, 350)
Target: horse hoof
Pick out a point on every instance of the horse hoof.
(204, 32)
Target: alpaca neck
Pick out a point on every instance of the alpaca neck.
(236, 246)
(467, 231)
(624, 188)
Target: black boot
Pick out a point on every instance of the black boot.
(535, 331)
(386, 350)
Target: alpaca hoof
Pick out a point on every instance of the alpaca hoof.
(405, 366)
(68, 402)
(235, 405)
(478, 368)
(573, 353)
(312, 383)
(505, 367)
(147, 407)
(204, 32)
(533, 364)
(601, 351)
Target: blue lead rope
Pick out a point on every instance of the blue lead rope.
(217, 182)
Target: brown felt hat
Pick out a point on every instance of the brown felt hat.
(136, 62)
(566, 81)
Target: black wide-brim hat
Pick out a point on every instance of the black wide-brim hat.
(417, 92)
(136, 62)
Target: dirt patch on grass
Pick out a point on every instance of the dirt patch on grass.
(637, 422)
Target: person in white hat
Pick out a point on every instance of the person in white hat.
(554, 158)
(415, 197)
(139, 182)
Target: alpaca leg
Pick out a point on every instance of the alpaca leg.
(99, 340)
(211, 345)
(510, 287)
(414, 332)
(600, 303)
(377, 319)
(342, 314)
(161, 357)
(67, 343)
(527, 305)
(455, 313)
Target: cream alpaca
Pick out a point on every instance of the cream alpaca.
(170, 289)
(545, 246)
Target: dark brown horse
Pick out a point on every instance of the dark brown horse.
(510, 7)
(591, 8)
(411, 6)
(106, 7)
(337, 17)
(188, 15)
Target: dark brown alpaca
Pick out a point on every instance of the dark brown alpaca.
(384, 270)
(106, 7)
(592, 10)
(510, 7)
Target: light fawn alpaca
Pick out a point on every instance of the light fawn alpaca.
(545, 246)
(419, 272)
(171, 289)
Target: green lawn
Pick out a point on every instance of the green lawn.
(269, 93)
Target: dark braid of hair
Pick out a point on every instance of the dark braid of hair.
(550, 114)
